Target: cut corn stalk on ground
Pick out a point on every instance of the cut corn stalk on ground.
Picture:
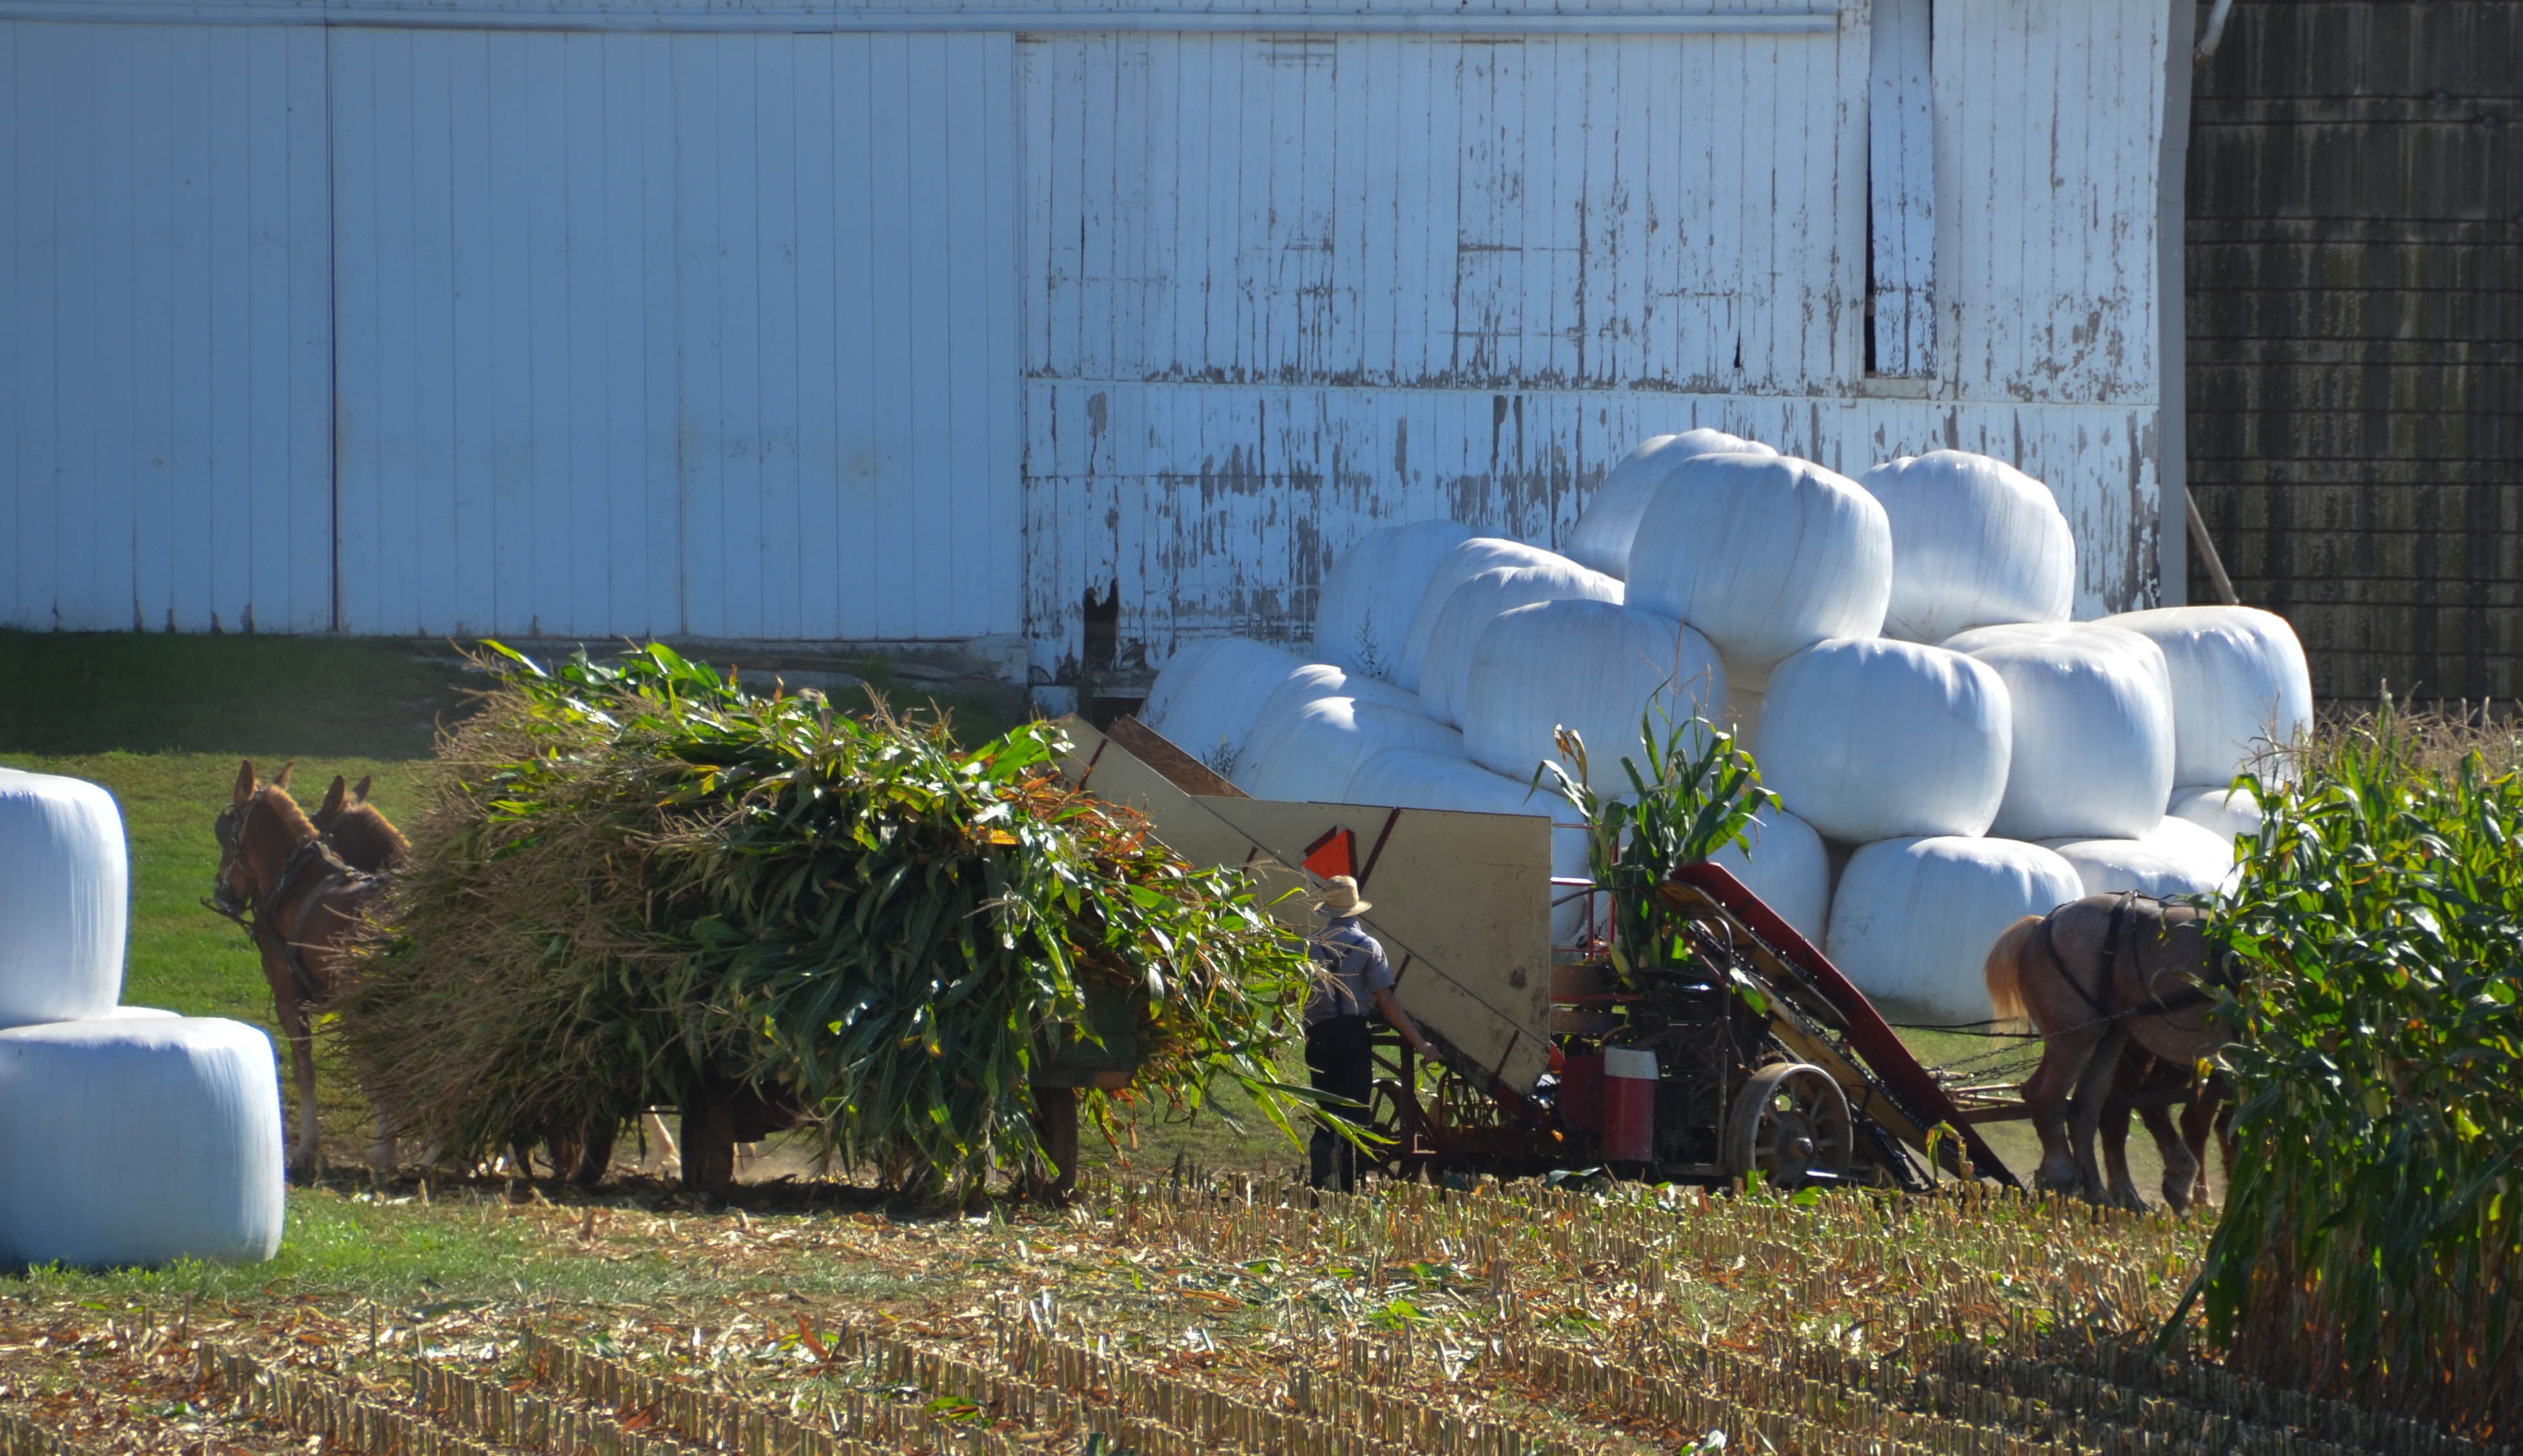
(1174, 1319)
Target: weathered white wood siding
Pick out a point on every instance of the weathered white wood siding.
(166, 348)
(1285, 289)
(1901, 187)
(679, 334)
(2047, 120)
(1673, 213)
(755, 319)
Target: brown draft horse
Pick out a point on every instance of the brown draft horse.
(303, 904)
(2099, 978)
(358, 830)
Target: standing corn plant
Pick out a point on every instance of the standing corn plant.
(638, 883)
(1697, 795)
(2372, 1239)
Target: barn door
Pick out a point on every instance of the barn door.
(711, 335)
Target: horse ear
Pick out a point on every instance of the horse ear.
(245, 781)
(361, 790)
(332, 798)
(281, 780)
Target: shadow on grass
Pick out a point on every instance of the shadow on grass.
(145, 692)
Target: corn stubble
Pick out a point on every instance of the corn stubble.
(1498, 1322)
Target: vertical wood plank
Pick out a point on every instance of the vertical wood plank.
(775, 556)
(622, 413)
(700, 456)
(861, 434)
(228, 469)
(892, 514)
(1901, 206)
(818, 275)
(18, 210)
(594, 371)
(386, 347)
(1002, 604)
(480, 467)
(544, 216)
(150, 325)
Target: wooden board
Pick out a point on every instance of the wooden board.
(1459, 901)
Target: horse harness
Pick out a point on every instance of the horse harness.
(2190, 995)
(312, 853)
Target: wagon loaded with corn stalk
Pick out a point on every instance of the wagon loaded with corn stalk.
(1690, 1032)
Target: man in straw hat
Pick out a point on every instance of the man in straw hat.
(1350, 975)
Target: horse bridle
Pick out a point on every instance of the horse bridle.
(230, 829)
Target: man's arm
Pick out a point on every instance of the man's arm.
(1400, 1022)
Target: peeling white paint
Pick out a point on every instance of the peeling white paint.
(1281, 292)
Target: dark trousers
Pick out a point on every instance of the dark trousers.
(1342, 1068)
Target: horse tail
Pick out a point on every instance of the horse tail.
(2005, 973)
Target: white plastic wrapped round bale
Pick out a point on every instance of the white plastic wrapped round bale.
(1310, 684)
(1465, 561)
(1869, 739)
(65, 890)
(1446, 672)
(2227, 812)
(139, 1141)
(1913, 918)
(2174, 857)
(1788, 867)
(2092, 741)
(2239, 688)
(1325, 740)
(1601, 540)
(1179, 669)
(1371, 595)
(1408, 778)
(1596, 667)
(1743, 715)
(1975, 541)
(1765, 554)
(1211, 713)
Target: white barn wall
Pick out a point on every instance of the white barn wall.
(166, 348)
(1285, 289)
(803, 319)
(705, 335)
(1278, 480)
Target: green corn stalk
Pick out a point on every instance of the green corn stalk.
(2373, 1235)
(1697, 795)
(640, 881)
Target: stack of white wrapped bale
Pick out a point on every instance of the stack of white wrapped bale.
(1896, 649)
(1209, 698)
(127, 1136)
(1601, 540)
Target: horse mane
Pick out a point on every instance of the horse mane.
(2004, 977)
(365, 838)
(293, 819)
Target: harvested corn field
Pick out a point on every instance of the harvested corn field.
(1172, 1319)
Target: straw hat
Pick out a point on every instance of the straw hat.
(1339, 898)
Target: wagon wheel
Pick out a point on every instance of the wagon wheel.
(1384, 1118)
(1790, 1122)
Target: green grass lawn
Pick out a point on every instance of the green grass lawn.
(161, 721)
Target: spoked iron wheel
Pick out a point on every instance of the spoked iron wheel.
(1790, 1123)
(1388, 1159)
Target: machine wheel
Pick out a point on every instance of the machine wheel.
(1790, 1122)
